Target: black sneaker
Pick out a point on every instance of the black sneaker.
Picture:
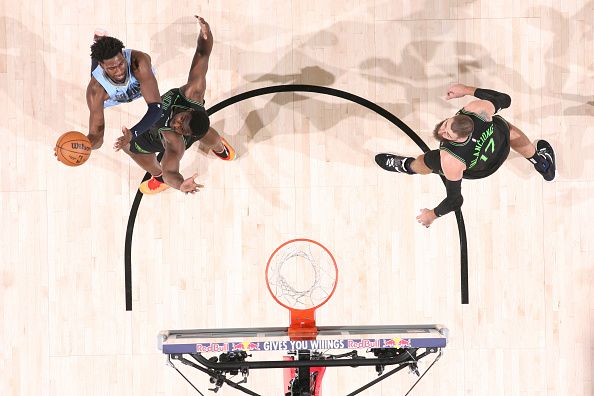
(392, 162)
(544, 149)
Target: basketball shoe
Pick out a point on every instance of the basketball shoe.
(98, 33)
(392, 163)
(152, 186)
(544, 149)
(228, 153)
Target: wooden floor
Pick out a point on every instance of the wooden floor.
(305, 169)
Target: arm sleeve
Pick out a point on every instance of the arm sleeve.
(152, 115)
(453, 200)
(499, 100)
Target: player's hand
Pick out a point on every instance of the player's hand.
(204, 27)
(190, 186)
(426, 217)
(457, 91)
(124, 140)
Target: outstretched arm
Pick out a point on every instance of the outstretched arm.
(96, 95)
(149, 88)
(491, 101)
(453, 170)
(196, 86)
(174, 151)
(143, 72)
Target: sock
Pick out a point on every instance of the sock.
(160, 177)
(223, 153)
(407, 163)
(540, 162)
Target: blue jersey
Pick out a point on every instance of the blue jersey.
(118, 93)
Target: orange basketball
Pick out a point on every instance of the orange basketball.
(73, 148)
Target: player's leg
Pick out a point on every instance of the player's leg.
(542, 156)
(520, 143)
(219, 146)
(421, 165)
(148, 162)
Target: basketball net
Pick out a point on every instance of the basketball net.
(301, 276)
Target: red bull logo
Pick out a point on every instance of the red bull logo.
(246, 346)
(211, 347)
(363, 343)
(397, 343)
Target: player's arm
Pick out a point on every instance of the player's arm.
(196, 86)
(174, 151)
(150, 91)
(490, 101)
(96, 95)
(453, 170)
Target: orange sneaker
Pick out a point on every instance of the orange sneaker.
(152, 186)
(228, 154)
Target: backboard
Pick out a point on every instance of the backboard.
(277, 338)
(219, 352)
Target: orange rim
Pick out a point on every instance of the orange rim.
(333, 263)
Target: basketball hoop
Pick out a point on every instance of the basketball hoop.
(301, 275)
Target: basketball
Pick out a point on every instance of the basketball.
(73, 148)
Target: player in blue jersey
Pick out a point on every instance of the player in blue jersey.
(474, 143)
(119, 75)
(183, 122)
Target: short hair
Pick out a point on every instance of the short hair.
(106, 48)
(199, 123)
(462, 125)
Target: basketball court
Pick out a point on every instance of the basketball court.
(305, 170)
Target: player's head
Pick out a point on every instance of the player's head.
(190, 123)
(108, 52)
(199, 123)
(456, 128)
